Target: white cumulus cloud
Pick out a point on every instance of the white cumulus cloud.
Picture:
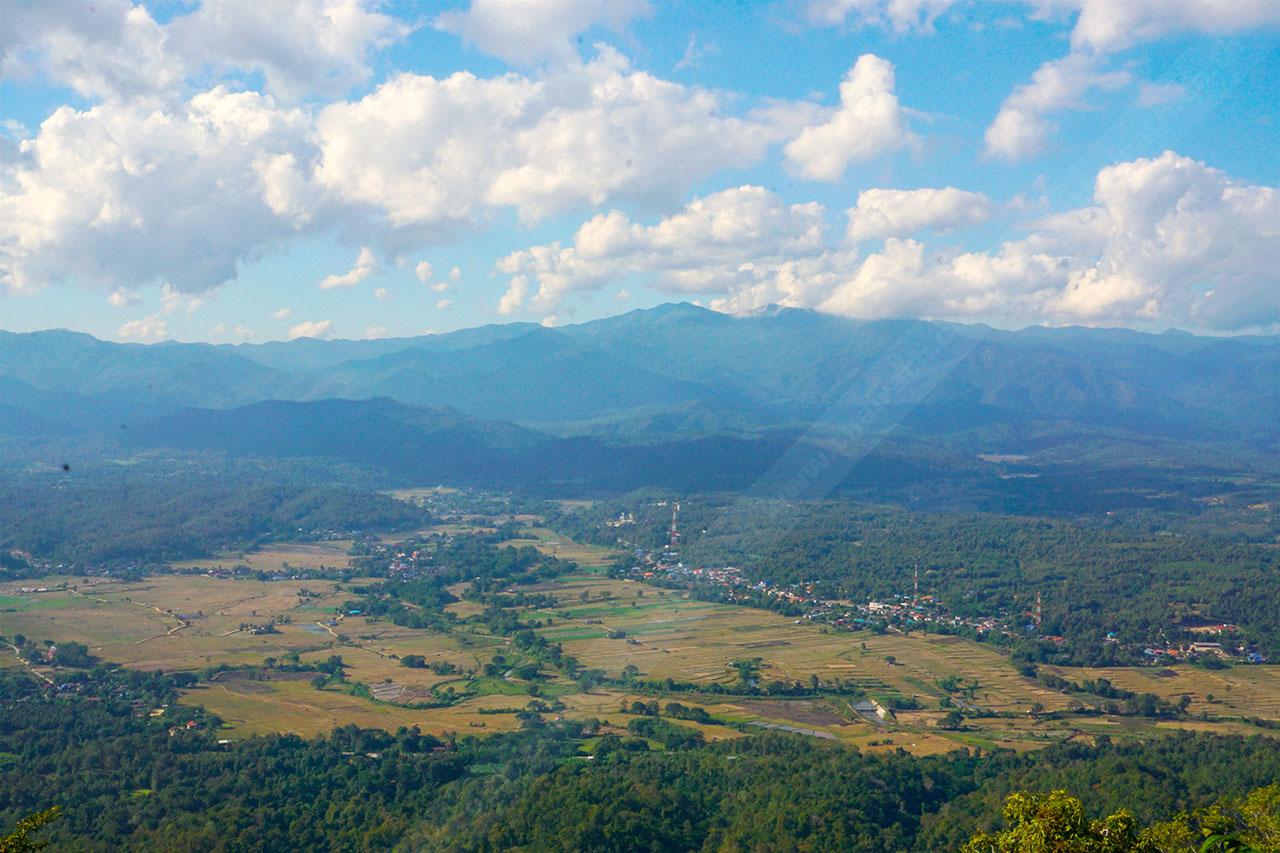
(321, 329)
(112, 50)
(714, 242)
(882, 213)
(115, 50)
(120, 195)
(1167, 241)
(1022, 127)
(124, 195)
(149, 328)
(436, 155)
(869, 122)
(1105, 26)
(172, 300)
(366, 265)
(526, 32)
(901, 15)
(513, 299)
(122, 296)
(299, 46)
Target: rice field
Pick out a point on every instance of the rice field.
(191, 622)
(280, 557)
(670, 636)
(1250, 691)
(297, 707)
(550, 542)
(179, 622)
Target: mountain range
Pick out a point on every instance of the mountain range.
(604, 402)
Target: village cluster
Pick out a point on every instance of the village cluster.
(901, 612)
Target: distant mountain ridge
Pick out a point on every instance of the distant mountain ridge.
(680, 367)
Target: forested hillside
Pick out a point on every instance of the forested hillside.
(173, 786)
(91, 521)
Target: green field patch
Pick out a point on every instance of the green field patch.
(925, 687)
(23, 603)
(495, 686)
(612, 610)
(641, 630)
(555, 636)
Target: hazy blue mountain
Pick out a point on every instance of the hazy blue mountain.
(30, 411)
(416, 445)
(874, 373)
(680, 370)
(540, 376)
(310, 354)
(166, 375)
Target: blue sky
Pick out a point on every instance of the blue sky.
(232, 172)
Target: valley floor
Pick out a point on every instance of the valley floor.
(624, 628)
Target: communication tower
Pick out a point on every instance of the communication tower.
(675, 529)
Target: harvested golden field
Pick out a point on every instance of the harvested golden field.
(181, 621)
(280, 557)
(373, 653)
(550, 542)
(250, 708)
(420, 493)
(670, 636)
(1248, 691)
(194, 621)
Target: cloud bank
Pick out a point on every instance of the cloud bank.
(1167, 241)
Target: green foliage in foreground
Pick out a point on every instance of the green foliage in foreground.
(1056, 823)
(20, 840)
(1241, 824)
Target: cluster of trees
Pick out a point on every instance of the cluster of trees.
(419, 601)
(1124, 702)
(776, 792)
(65, 654)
